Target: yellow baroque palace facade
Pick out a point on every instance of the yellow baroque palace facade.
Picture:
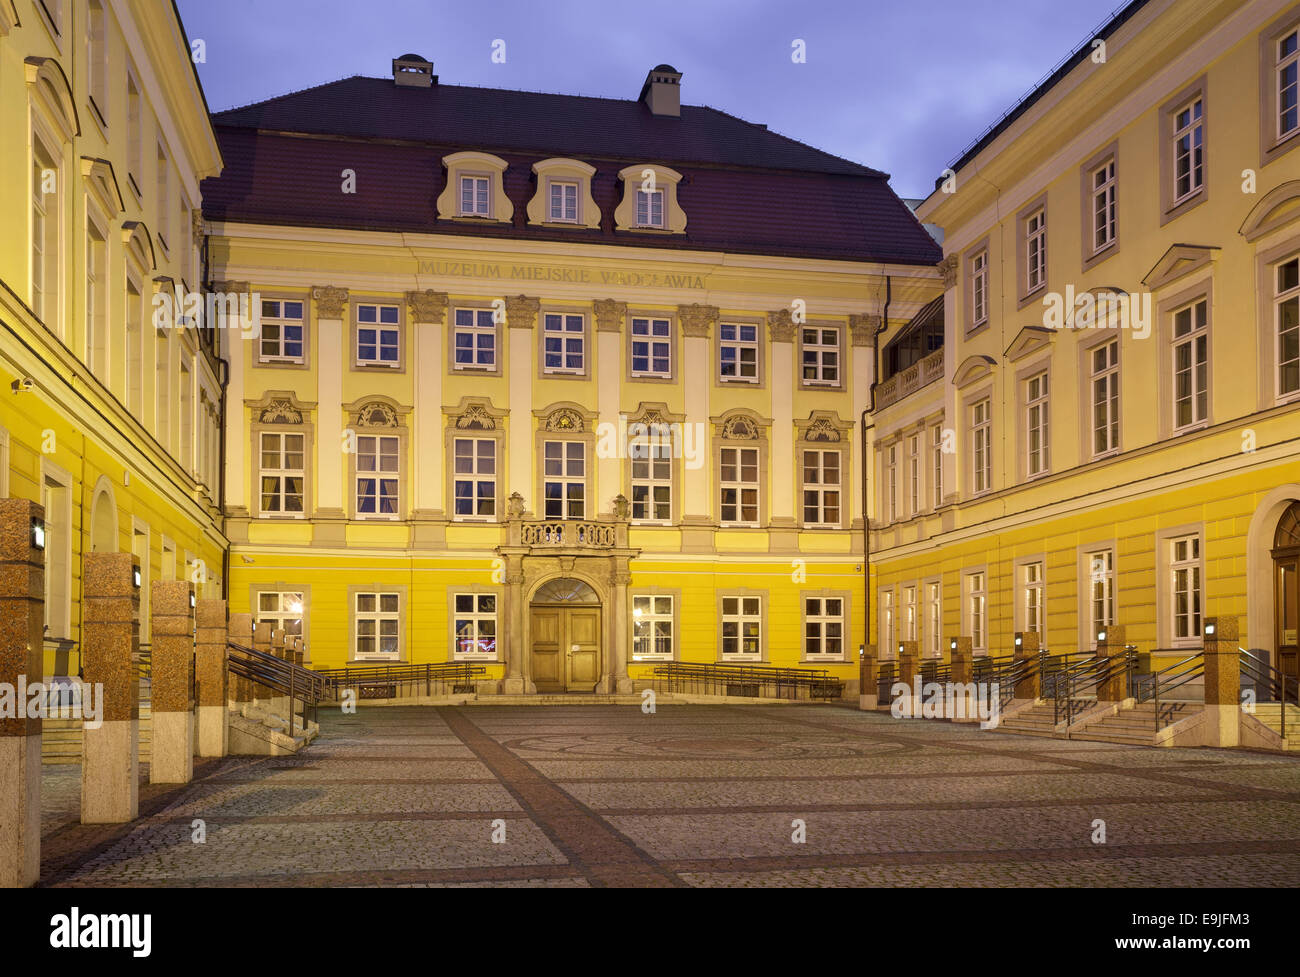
(582, 398)
(1100, 424)
(110, 415)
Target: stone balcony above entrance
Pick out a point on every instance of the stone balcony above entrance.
(543, 536)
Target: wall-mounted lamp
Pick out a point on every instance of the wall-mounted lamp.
(1209, 630)
(23, 385)
(38, 533)
(135, 577)
(1019, 641)
(191, 600)
(900, 647)
(1101, 635)
(862, 650)
(952, 645)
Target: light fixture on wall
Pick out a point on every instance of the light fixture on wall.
(952, 645)
(1210, 630)
(38, 533)
(135, 576)
(191, 600)
(23, 385)
(1101, 636)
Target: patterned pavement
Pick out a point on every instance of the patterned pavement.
(692, 796)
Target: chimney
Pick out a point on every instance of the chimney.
(662, 91)
(412, 70)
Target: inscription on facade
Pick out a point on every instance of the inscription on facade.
(638, 278)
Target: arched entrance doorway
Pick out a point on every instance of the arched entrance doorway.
(566, 636)
(1286, 590)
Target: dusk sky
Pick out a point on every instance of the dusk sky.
(902, 87)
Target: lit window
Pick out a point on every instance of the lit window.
(976, 611)
(650, 451)
(1185, 581)
(891, 483)
(282, 610)
(1032, 590)
(378, 461)
(282, 473)
(652, 627)
(739, 486)
(1105, 398)
(821, 356)
(914, 474)
(821, 488)
(742, 628)
(982, 447)
(377, 626)
(475, 483)
(564, 486)
(936, 464)
(1101, 592)
(934, 618)
(823, 628)
(909, 614)
(1036, 432)
(1191, 365)
(475, 626)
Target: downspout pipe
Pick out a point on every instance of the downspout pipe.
(866, 467)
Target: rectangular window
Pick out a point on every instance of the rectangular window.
(651, 455)
(163, 189)
(977, 611)
(378, 461)
(185, 387)
(823, 628)
(1103, 206)
(474, 340)
(1101, 592)
(738, 352)
(1105, 398)
(475, 627)
(651, 348)
(564, 343)
(981, 430)
(97, 57)
(56, 497)
(891, 483)
(475, 484)
(909, 614)
(1036, 251)
(281, 338)
(979, 288)
(821, 356)
(1031, 583)
(379, 335)
(46, 179)
(1286, 305)
(936, 464)
(283, 610)
(1189, 150)
(914, 474)
(282, 473)
(134, 380)
(821, 488)
(1288, 61)
(565, 483)
(1191, 365)
(934, 618)
(1036, 432)
(742, 628)
(652, 627)
(739, 486)
(888, 642)
(563, 202)
(97, 341)
(1185, 584)
(650, 208)
(377, 626)
(134, 136)
(474, 199)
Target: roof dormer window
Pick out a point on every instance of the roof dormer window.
(650, 200)
(563, 194)
(475, 189)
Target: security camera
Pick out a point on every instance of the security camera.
(23, 385)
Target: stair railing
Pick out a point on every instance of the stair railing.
(1276, 683)
(1166, 680)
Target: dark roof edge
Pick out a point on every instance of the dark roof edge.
(1071, 61)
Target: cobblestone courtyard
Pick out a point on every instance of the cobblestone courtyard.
(692, 796)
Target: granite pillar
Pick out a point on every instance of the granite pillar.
(212, 677)
(868, 687)
(1027, 650)
(1113, 686)
(1222, 681)
(172, 630)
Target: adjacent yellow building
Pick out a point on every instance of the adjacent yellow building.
(1101, 422)
(579, 399)
(110, 411)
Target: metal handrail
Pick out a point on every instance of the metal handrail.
(1071, 681)
(457, 673)
(285, 677)
(1274, 678)
(818, 683)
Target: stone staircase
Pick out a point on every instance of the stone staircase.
(1137, 726)
(1035, 720)
(61, 738)
(1270, 714)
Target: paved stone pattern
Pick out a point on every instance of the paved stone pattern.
(691, 796)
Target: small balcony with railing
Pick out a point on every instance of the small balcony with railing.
(542, 536)
(913, 359)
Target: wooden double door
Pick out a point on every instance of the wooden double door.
(566, 647)
(1286, 590)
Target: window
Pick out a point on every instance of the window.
(282, 473)
(888, 644)
(1103, 206)
(1189, 150)
(378, 335)
(281, 338)
(742, 628)
(134, 136)
(474, 340)
(475, 196)
(475, 484)
(377, 626)
(378, 461)
(977, 610)
(56, 497)
(936, 464)
(909, 614)
(979, 289)
(891, 483)
(134, 380)
(1036, 251)
(650, 208)
(823, 628)
(738, 352)
(739, 486)
(651, 348)
(1036, 432)
(650, 452)
(162, 366)
(282, 610)
(934, 618)
(97, 341)
(1105, 398)
(164, 200)
(1031, 584)
(981, 430)
(1101, 592)
(565, 481)
(475, 626)
(821, 356)
(914, 474)
(97, 58)
(821, 488)
(1185, 582)
(185, 387)
(652, 627)
(46, 226)
(1288, 62)
(1191, 365)
(1286, 305)
(564, 343)
(563, 202)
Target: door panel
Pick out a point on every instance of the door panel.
(548, 660)
(566, 648)
(1288, 615)
(584, 648)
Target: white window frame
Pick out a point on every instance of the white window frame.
(1104, 211)
(1286, 297)
(1186, 578)
(1287, 61)
(747, 612)
(981, 430)
(650, 460)
(647, 203)
(475, 618)
(564, 478)
(480, 195)
(975, 583)
(821, 357)
(558, 326)
(568, 202)
(1196, 340)
(933, 627)
(378, 616)
(979, 288)
(284, 612)
(1099, 566)
(1036, 250)
(482, 325)
(1032, 596)
(650, 612)
(656, 343)
(936, 465)
(282, 474)
(378, 475)
(828, 614)
(282, 323)
(739, 485)
(475, 481)
(913, 474)
(888, 622)
(382, 330)
(1194, 132)
(820, 496)
(1037, 425)
(890, 487)
(910, 624)
(1106, 380)
(739, 347)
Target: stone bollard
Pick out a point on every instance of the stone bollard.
(909, 673)
(1222, 681)
(212, 676)
(1031, 686)
(867, 685)
(110, 754)
(240, 632)
(172, 746)
(965, 696)
(1110, 644)
(22, 646)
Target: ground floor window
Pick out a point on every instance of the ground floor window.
(652, 627)
(377, 626)
(1101, 592)
(823, 628)
(742, 628)
(283, 610)
(1185, 582)
(476, 626)
(977, 611)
